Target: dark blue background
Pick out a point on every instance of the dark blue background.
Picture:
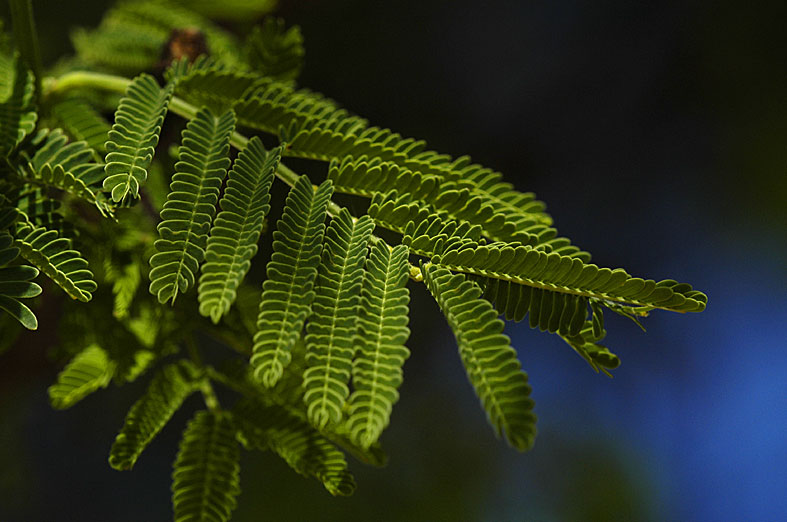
(656, 132)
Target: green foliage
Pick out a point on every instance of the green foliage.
(90, 370)
(191, 204)
(66, 166)
(304, 450)
(134, 33)
(528, 266)
(16, 281)
(133, 138)
(491, 363)
(54, 256)
(288, 291)
(236, 231)
(17, 111)
(167, 391)
(206, 475)
(275, 52)
(330, 332)
(382, 332)
(82, 122)
(320, 353)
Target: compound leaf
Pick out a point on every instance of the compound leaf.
(300, 445)
(191, 204)
(167, 391)
(331, 329)
(491, 363)
(89, 370)
(382, 332)
(134, 135)
(289, 290)
(206, 474)
(237, 228)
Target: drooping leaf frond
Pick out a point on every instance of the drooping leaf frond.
(17, 112)
(288, 291)
(528, 266)
(167, 391)
(82, 122)
(237, 228)
(299, 444)
(89, 370)
(16, 281)
(54, 256)
(274, 51)
(206, 474)
(491, 363)
(382, 332)
(331, 329)
(68, 167)
(134, 135)
(191, 204)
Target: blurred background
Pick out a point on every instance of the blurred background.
(657, 134)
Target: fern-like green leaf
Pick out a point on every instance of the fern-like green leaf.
(382, 332)
(167, 391)
(16, 281)
(134, 135)
(17, 113)
(90, 370)
(491, 363)
(275, 51)
(191, 204)
(288, 291)
(237, 228)
(206, 474)
(528, 266)
(331, 329)
(54, 256)
(82, 122)
(68, 167)
(300, 445)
